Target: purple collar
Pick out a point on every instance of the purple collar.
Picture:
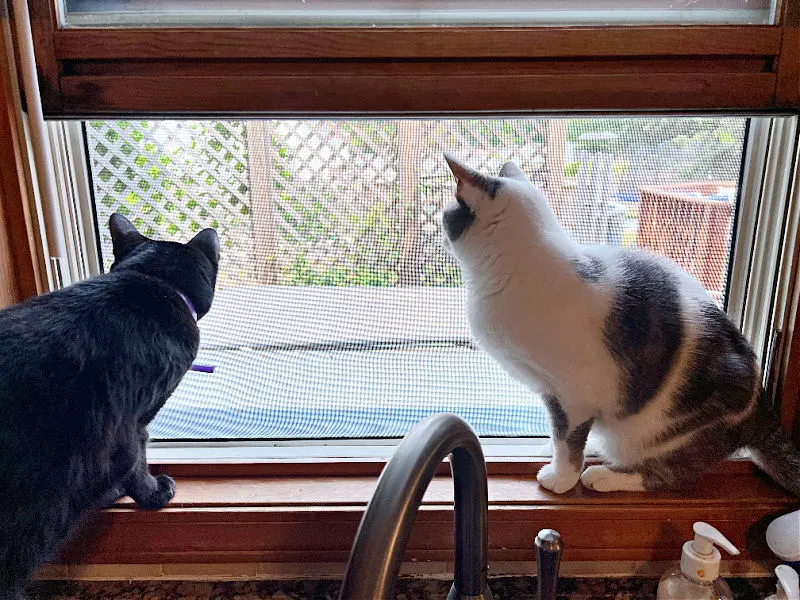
(189, 305)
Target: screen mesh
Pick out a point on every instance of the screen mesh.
(338, 313)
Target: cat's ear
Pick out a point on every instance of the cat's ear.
(512, 171)
(124, 236)
(463, 172)
(470, 177)
(207, 241)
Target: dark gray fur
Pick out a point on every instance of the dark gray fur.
(589, 268)
(721, 370)
(710, 445)
(575, 439)
(558, 418)
(644, 329)
(772, 449)
(83, 371)
(490, 185)
(457, 219)
(576, 442)
(719, 380)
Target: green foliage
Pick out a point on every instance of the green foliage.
(705, 148)
(177, 178)
(154, 171)
(664, 148)
(571, 168)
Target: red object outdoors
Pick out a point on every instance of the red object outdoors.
(687, 224)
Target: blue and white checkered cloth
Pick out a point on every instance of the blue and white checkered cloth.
(302, 394)
(324, 362)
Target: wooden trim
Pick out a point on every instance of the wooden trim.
(415, 43)
(9, 281)
(314, 519)
(388, 94)
(19, 274)
(315, 71)
(407, 71)
(44, 23)
(9, 289)
(495, 467)
(787, 92)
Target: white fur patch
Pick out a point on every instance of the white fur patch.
(603, 479)
(557, 481)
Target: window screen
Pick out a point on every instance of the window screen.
(338, 313)
(309, 13)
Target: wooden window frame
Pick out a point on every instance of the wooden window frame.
(309, 512)
(87, 72)
(295, 513)
(20, 274)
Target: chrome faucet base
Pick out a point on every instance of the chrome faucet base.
(455, 595)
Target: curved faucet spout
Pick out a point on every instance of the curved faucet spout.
(386, 524)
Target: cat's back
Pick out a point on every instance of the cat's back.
(646, 288)
(81, 341)
(85, 314)
(654, 310)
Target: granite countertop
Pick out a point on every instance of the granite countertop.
(516, 588)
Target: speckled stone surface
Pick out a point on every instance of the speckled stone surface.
(517, 588)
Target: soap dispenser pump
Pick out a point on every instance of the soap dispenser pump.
(788, 584)
(698, 576)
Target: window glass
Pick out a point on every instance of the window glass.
(338, 312)
(305, 13)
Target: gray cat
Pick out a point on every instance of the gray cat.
(618, 342)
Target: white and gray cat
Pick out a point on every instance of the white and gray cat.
(618, 342)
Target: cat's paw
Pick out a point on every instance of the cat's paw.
(557, 482)
(115, 494)
(602, 479)
(160, 496)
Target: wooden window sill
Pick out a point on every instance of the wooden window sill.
(279, 515)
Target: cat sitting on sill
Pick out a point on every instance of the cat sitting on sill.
(619, 342)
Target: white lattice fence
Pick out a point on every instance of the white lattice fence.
(174, 178)
(331, 189)
(304, 202)
(354, 202)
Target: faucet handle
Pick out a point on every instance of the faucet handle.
(548, 559)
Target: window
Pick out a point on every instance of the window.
(176, 176)
(338, 313)
(179, 59)
(405, 13)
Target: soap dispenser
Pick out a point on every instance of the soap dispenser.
(788, 584)
(698, 576)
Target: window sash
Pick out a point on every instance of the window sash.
(96, 71)
(755, 262)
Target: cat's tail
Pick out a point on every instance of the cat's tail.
(773, 451)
